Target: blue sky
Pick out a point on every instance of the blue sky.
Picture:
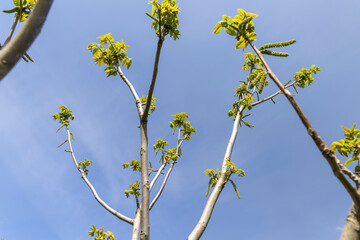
(289, 191)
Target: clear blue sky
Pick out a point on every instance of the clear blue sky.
(289, 191)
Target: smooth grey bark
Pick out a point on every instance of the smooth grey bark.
(351, 229)
(17, 47)
(145, 190)
(136, 226)
(96, 196)
(210, 204)
(145, 193)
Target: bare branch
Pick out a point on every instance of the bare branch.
(178, 145)
(157, 175)
(83, 176)
(136, 226)
(270, 97)
(16, 48)
(210, 204)
(321, 145)
(162, 186)
(16, 19)
(350, 174)
(152, 84)
(132, 90)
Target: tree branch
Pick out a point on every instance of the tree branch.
(16, 48)
(157, 175)
(210, 204)
(16, 19)
(178, 145)
(132, 90)
(153, 80)
(321, 145)
(83, 176)
(136, 226)
(270, 97)
(162, 186)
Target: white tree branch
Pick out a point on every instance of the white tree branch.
(178, 145)
(17, 47)
(210, 204)
(83, 176)
(157, 175)
(162, 186)
(136, 226)
(132, 90)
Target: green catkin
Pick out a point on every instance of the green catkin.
(276, 54)
(262, 82)
(280, 44)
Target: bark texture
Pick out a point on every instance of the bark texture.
(351, 229)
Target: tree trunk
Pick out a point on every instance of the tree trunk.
(145, 186)
(351, 229)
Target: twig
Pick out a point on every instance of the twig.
(178, 145)
(162, 186)
(157, 175)
(16, 19)
(270, 97)
(83, 176)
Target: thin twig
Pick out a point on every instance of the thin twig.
(157, 175)
(12, 30)
(162, 186)
(270, 97)
(83, 176)
(178, 145)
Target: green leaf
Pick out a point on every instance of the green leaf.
(17, 2)
(28, 57)
(63, 143)
(235, 188)
(247, 124)
(208, 188)
(240, 43)
(350, 160)
(15, 9)
(230, 31)
(60, 128)
(241, 12)
(218, 28)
